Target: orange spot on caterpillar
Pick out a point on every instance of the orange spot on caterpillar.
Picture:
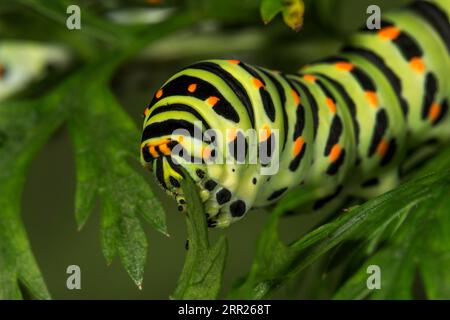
(212, 101)
(372, 98)
(264, 133)
(231, 134)
(192, 87)
(382, 147)
(435, 111)
(296, 97)
(160, 142)
(417, 64)
(234, 61)
(309, 77)
(165, 149)
(389, 33)
(344, 66)
(146, 112)
(298, 146)
(206, 153)
(257, 83)
(335, 152)
(153, 151)
(330, 103)
(159, 93)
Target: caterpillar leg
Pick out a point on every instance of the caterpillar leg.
(226, 214)
(221, 220)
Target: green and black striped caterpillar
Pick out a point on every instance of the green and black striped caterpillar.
(342, 126)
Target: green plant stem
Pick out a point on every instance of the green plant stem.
(204, 264)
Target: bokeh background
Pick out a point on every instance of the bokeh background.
(228, 29)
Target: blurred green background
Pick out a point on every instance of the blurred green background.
(227, 29)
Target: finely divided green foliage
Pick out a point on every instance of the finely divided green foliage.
(292, 11)
(203, 268)
(124, 192)
(19, 143)
(420, 245)
(269, 9)
(106, 143)
(413, 219)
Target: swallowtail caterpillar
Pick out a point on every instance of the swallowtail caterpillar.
(342, 126)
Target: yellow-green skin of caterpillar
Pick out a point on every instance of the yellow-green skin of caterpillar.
(341, 126)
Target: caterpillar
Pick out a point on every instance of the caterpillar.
(340, 126)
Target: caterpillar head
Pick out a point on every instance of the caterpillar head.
(187, 125)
